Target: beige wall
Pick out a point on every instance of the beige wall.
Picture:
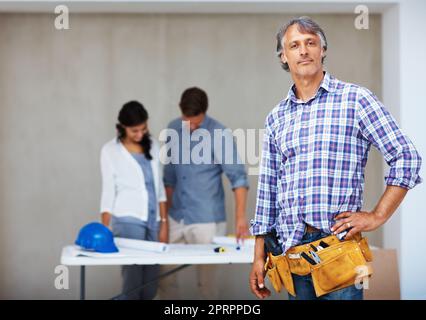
(60, 92)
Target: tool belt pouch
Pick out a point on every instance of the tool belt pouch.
(278, 272)
(342, 265)
(365, 249)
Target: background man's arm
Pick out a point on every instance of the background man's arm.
(241, 226)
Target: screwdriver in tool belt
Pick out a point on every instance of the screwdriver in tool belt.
(308, 258)
(315, 256)
(323, 244)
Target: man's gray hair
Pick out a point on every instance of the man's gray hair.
(305, 25)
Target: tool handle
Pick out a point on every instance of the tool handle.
(308, 258)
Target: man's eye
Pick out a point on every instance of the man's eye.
(311, 43)
(293, 46)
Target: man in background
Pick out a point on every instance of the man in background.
(194, 189)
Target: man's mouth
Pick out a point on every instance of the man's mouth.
(305, 61)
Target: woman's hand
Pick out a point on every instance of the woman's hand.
(163, 234)
(106, 218)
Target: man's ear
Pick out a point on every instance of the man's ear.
(283, 57)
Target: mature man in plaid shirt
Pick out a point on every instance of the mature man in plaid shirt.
(315, 150)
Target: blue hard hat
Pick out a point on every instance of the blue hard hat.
(95, 236)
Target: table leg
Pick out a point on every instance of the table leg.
(82, 282)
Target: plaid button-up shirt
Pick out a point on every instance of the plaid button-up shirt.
(314, 155)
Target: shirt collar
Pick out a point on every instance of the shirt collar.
(328, 83)
(205, 122)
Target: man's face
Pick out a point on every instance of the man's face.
(302, 51)
(194, 121)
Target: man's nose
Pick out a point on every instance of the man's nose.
(303, 50)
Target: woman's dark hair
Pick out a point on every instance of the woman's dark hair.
(133, 114)
(193, 102)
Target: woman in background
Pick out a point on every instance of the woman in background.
(133, 195)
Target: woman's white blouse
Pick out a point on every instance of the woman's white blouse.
(123, 183)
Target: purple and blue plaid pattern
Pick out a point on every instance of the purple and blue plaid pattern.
(314, 155)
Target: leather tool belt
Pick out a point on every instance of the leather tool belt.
(342, 264)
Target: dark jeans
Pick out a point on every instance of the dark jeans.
(305, 289)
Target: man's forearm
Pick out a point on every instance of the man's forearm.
(362, 221)
(163, 210)
(389, 202)
(259, 249)
(169, 195)
(240, 195)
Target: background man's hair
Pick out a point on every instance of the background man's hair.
(193, 102)
(304, 25)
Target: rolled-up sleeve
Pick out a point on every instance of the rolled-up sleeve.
(266, 200)
(108, 183)
(231, 162)
(380, 129)
(169, 177)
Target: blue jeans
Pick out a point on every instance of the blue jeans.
(304, 287)
(135, 276)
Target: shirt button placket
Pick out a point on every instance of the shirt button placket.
(303, 149)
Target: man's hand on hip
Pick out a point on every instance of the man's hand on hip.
(355, 222)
